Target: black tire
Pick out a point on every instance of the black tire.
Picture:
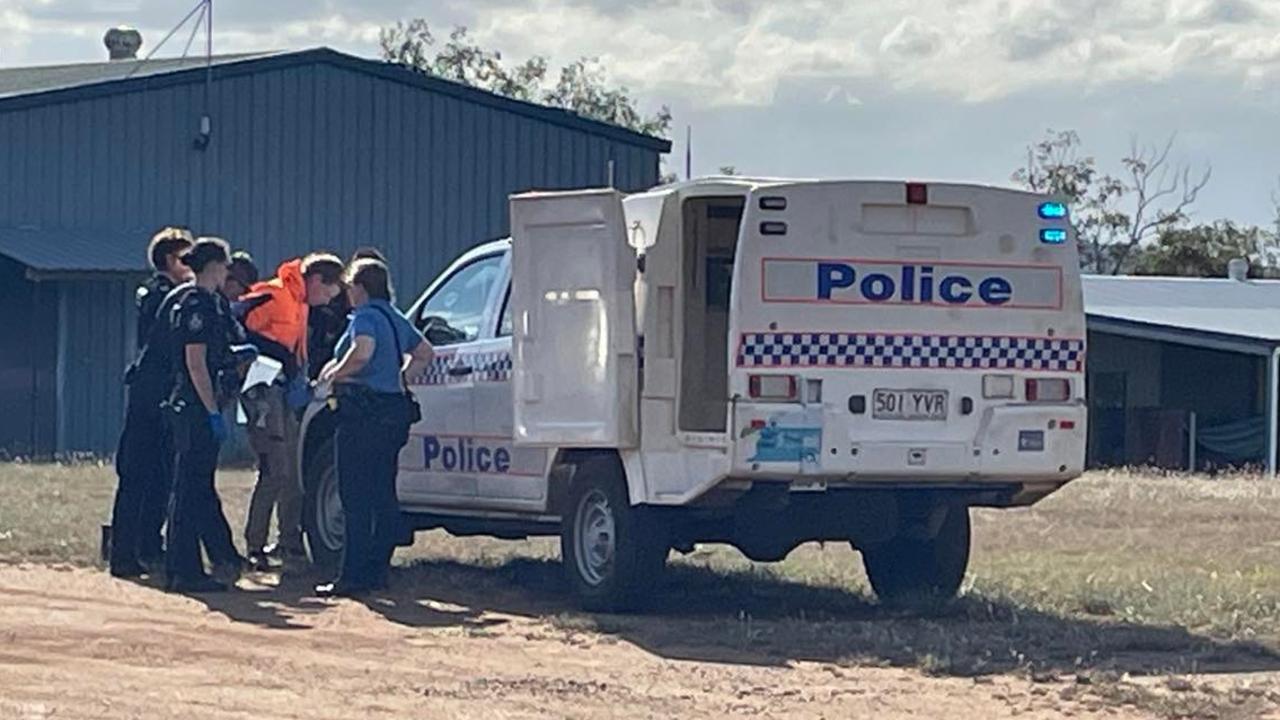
(613, 552)
(908, 571)
(322, 510)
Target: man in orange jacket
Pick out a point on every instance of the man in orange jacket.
(275, 318)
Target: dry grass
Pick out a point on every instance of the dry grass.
(1119, 575)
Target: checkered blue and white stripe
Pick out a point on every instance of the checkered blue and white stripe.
(488, 367)
(887, 350)
(492, 366)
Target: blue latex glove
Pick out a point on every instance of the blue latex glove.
(218, 426)
(297, 394)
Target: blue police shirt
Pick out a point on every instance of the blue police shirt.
(382, 372)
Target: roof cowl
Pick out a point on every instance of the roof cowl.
(1238, 269)
(122, 43)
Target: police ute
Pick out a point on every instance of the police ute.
(761, 363)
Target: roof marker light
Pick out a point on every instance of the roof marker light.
(1053, 236)
(917, 193)
(1052, 210)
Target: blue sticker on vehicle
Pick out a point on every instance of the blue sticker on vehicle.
(788, 438)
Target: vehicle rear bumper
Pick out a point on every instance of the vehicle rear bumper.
(1017, 443)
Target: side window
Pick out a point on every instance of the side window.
(504, 322)
(454, 312)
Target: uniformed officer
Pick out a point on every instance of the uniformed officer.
(144, 456)
(203, 357)
(374, 411)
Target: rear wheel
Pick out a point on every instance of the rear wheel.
(322, 519)
(613, 552)
(908, 570)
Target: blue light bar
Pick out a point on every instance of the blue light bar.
(1053, 236)
(1052, 210)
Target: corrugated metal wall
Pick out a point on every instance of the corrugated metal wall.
(301, 158)
(96, 332)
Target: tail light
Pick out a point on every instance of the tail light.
(773, 388)
(997, 387)
(1048, 390)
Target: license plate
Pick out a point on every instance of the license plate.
(909, 404)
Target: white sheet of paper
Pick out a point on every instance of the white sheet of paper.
(263, 371)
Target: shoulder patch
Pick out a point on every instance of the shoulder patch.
(195, 322)
(143, 292)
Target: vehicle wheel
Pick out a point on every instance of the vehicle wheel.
(613, 552)
(909, 570)
(322, 519)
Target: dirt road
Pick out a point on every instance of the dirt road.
(75, 643)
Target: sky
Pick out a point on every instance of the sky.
(908, 89)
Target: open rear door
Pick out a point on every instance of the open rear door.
(574, 341)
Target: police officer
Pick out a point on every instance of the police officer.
(144, 456)
(203, 358)
(374, 411)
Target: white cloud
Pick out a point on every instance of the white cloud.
(1214, 11)
(740, 52)
(828, 87)
(912, 37)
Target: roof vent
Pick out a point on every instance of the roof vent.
(1238, 269)
(122, 43)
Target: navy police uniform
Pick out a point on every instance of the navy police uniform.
(144, 456)
(200, 317)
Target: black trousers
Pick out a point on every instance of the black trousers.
(368, 458)
(195, 514)
(144, 467)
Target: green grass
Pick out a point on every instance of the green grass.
(54, 513)
(1119, 574)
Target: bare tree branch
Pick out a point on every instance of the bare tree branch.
(1163, 195)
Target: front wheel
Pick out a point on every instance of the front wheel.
(322, 518)
(908, 570)
(613, 552)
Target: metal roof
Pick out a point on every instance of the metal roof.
(60, 251)
(28, 87)
(1248, 309)
(37, 79)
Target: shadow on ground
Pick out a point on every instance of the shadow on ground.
(708, 616)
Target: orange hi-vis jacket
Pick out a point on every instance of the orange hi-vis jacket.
(279, 312)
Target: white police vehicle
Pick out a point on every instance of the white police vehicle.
(754, 362)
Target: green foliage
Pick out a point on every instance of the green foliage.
(1114, 217)
(1055, 166)
(1205, 250)
(582, 86)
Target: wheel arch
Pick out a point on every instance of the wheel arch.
(567, 460)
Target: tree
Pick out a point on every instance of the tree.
(1205, 250)
(1113, 216)
(581, 86)
(1055, 167)
(1162, 196)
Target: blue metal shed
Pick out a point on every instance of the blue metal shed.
(305, 150)
(1184, 372)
